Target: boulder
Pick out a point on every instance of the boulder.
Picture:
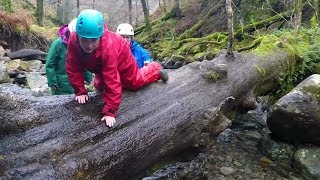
(4, 76)
(35, 65)
(18, 64)
(37, 82)
(296, 116)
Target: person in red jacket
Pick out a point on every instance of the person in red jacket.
(93, 47)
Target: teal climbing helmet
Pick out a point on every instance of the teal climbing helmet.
(90, 24)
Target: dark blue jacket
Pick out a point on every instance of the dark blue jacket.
(139, 53)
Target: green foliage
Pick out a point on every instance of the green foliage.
(305, 51)
(6, 5)
(311, 59)
(313, 22)
(268, 44)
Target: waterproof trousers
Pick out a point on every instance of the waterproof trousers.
(145, 75)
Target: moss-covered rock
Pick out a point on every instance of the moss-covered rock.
(307, 162)
(276, 150)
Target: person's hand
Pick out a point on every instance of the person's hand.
(82, 98)
(110, 121)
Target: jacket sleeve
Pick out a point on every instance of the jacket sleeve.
(74, 70)
(113, 91)
(51, 59)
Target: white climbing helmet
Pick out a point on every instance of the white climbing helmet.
(125, 29)
(72, 25)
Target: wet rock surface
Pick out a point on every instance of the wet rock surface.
(25, 68)
(235, 154)
(307, 160)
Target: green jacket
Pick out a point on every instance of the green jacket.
(56, 69)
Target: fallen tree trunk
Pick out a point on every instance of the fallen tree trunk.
(56, 138)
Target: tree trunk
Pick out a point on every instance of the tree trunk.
(78, 7)
(130, 11)
(39, 12)
(230, 28)
(176, 11)
(298, 14)
(59, 11)
(316, 9)
(56, 138)
(146, 15)
(164, 5)
(66, 12)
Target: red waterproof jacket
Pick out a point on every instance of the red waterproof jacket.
(112, 62)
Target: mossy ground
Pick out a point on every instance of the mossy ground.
(18, 33)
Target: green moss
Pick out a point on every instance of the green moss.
(46, 32)
(212, 76)
(313, 21)
(261, 71)
(190, 59)
(177, 57)
(268, 44)
(265, 88)
(200, 56)
(217, 36)
(314, 90)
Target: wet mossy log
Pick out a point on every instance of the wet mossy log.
(57, 138)
(264, 23)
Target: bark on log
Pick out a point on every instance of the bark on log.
(27, 54)
(56, 138)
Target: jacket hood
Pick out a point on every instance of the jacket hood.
(62, 33)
